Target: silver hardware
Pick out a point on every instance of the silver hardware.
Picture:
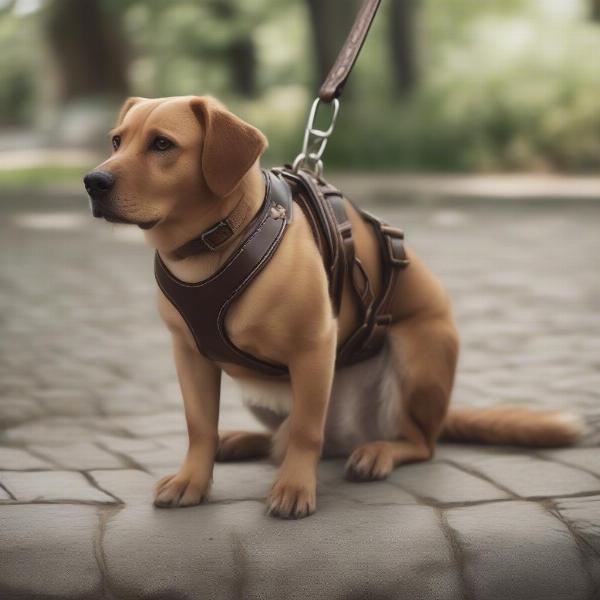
(315, 141)
(278, 211)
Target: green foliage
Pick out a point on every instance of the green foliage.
(42, 176)
(504, 84)
(17, 72)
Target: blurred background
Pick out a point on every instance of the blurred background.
(461, 86)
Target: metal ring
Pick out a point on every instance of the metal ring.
(316, 139)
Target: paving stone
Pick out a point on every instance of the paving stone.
(332, 481)
(527, 340)
(176, 443)
(342, 552)
(244, 553)
(16, 409)
(444, 483)
(582, 515)
(585, 458)
(48, 552)
(241, 481)
(126, 444)
(4, 495)
(517, 550)
(17, 459)
(161, 457)
(80, 456)
(76, 402)
(152, 425)
(54, 430)
(180, 553)
(521, 473)
(129, 485)
(51, 486)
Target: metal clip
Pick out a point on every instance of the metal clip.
(315, 141)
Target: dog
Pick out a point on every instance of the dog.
(181, 164)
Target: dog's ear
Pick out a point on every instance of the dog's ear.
(230, 147)
(127, 105)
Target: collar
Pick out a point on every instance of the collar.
(218, 234)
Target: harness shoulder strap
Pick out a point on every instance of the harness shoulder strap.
(325, 209)
(204, 304)
(369, 337)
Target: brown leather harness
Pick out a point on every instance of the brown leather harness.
(204, 304)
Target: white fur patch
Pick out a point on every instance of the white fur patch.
(364, 404)
(574, 422)
(275, 396)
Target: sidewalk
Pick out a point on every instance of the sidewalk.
(91, 416)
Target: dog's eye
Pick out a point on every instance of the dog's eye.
(161, 144)
(116, 141)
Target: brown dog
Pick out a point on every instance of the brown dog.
(182, 164)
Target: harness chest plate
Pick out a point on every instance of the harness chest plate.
(203, 305)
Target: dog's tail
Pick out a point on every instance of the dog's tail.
(512, 425)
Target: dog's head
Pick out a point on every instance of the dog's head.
(170, 154)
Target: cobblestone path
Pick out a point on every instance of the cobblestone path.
(90, 416)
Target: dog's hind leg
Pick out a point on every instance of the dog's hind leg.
(424, 359)
(243, 445)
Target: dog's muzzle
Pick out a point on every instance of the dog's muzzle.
(98, 184)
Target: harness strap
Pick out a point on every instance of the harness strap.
(204, 304)
(368, 338)
(324, 206)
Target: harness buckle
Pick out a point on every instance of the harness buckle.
(216, 228)
(392, 231)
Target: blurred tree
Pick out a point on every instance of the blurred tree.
(86, 40)
(240, 51)
(403, 44)
(330, 23)
(596, 10)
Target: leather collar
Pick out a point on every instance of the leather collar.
(218, 234)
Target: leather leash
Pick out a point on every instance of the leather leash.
(335, 80)
(315, 140)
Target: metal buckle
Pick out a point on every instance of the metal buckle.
(383, 320)
(212, 230)
(315, 141)
(392, 231)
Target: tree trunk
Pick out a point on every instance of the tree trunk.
(330, 21)
(241, 57)
(89, 49)
(240, 54)
(403, 45)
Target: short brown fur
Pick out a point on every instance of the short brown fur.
(213, 165)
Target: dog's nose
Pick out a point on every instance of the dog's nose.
(98, 183)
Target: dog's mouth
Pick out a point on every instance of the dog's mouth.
(111, 217)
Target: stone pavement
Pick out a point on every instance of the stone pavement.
(90, 416)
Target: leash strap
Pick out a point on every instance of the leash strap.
(334, 83)
(315, 140)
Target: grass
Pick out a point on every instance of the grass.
(40, 176)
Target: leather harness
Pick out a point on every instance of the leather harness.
(204, 304)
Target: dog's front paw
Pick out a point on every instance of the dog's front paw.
(292, 499)
(184, 488)
(370, 462)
